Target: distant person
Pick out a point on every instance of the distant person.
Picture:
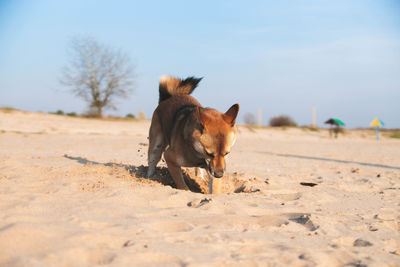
(336, 131)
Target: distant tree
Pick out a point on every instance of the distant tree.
(282, 120)
(98, 74)
(72, 114)
(249, 118)
(130, 116)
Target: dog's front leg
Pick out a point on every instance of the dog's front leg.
(199, 172)
(214, 184)
(175, 170)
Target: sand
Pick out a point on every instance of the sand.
(73, 193)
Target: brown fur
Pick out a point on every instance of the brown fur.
(188, 134)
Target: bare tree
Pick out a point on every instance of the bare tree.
(250, 119)
(98, 74)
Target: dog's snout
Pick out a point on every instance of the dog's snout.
(217, 167)
(218, 174)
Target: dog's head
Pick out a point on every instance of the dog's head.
(214, 137)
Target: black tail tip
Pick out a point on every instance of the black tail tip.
(193, 81)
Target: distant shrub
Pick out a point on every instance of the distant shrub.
(72, 114)
(282, 120)
(395, 135)
(310, 128)
(7, 109)
(59, 112)
(249, 118)
(130, 116)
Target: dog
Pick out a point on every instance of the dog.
(188, 134)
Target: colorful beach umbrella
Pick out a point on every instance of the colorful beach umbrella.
(335, 121)
(377, 123)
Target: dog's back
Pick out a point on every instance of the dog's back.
(174, 95)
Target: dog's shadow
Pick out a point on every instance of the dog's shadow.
(161, 174)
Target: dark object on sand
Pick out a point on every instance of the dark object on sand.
(308, 184)
(362, 243)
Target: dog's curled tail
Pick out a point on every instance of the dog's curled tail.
(170, 86)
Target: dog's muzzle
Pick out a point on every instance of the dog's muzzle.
(218, 174)
(215, 173)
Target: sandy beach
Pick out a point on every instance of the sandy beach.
(73, 193)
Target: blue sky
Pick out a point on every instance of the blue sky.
(343, 57)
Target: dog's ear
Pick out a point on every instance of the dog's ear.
(231, 114)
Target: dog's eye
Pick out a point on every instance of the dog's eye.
(211, 155)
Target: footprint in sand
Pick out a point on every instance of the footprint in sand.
(389, 220)
(361, 243)
(90, 256)
(303, 219)
(100, 257)
(97, 239)
(287, 197)
(156, 259)
(171, 226)
(94, 224)
(392, 246)
(198, 203)
(266, 221)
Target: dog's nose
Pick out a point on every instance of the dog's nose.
(218, 174)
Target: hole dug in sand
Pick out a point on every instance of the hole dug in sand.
(230, 183)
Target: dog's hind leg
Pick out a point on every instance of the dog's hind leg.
(175, 170)
(156, 145)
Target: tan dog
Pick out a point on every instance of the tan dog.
(193, 136)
